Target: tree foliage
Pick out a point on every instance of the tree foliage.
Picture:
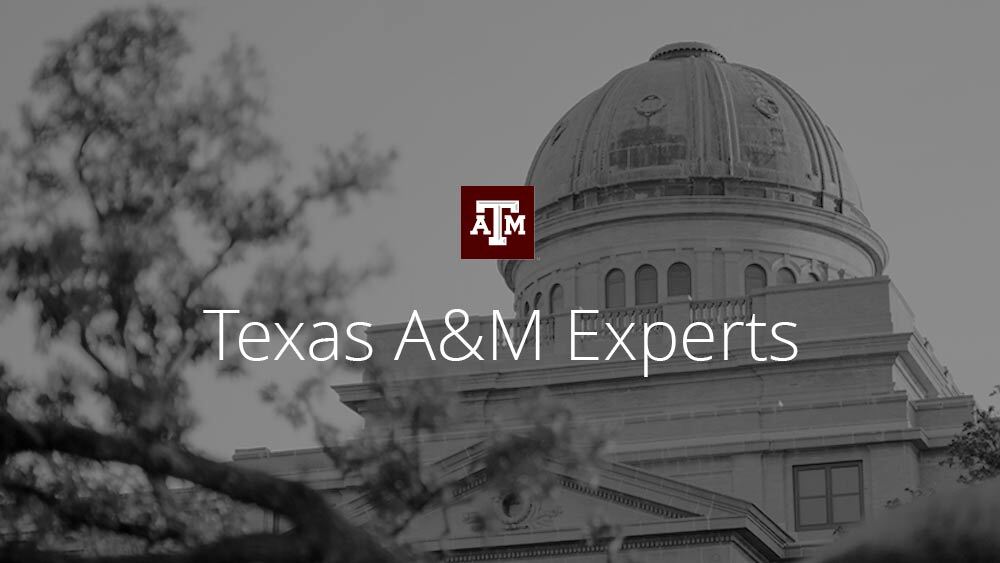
(127, 192)
(958, 526)
(976, 450)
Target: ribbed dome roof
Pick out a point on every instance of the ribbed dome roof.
(688, 114)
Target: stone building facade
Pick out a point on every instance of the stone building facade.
(689, 188)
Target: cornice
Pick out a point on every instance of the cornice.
(578, 222)
(610, 373)
(579, 547)
(624, 499)
(817, 440)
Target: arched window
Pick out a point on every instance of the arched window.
(813, 277)
(556, 299)
(678, 279)
(786, 276)
(645, 285)
(614, 289)
(538, 301)
(527, 309)
(754, 277)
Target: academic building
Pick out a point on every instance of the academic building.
(690, 189)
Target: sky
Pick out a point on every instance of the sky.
(466, 90)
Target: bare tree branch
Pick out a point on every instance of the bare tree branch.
(91, 353)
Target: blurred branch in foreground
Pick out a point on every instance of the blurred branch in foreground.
(126, 196)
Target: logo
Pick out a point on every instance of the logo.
(498, 222)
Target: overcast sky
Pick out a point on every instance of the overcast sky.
(466, 91)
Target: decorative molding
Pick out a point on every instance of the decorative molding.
(535, 516)
(528, 514)
(583, 546)
(624, 499)
(742, 200)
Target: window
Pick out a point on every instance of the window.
(645, 285)
(527, 309)
(754, 277)
(827, 495)
(556, 299)
(538, 301)
(786, 276)
(678, 279)
(614, 289)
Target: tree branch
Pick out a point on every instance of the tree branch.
(87, 349)
(80, 513)
(78, 171)
(319, 533)
(217, 261)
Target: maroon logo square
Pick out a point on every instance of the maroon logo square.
(498, 222)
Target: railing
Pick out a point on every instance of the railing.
(621, 318)
(516, 328)
(720, 311)
(713, 312)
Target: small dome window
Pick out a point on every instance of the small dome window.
(678, 279)
(614, 289)
(556, 304)
(646, 281)
(786, 276)
(754, 278)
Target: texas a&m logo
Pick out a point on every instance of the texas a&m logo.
(498, 222)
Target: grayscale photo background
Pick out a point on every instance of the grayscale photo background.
(466, 92)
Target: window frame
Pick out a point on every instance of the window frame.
(607, 289)
(785, 270)
(672, 269)
(828, 495)
(553, 309)
(654, 284)
(754, 267)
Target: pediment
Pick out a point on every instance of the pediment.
(574, 506)
(639, 502)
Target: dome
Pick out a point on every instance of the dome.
(689, 177)
(687, 122)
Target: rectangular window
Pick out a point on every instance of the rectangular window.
(827, 495)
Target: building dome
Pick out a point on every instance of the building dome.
(689, 176)
(688, 122)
